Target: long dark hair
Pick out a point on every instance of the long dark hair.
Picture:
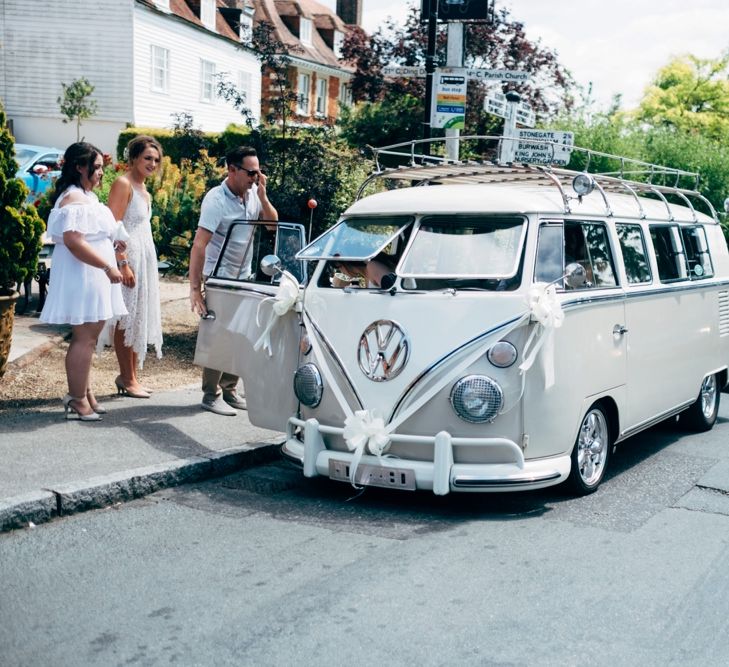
(80, 154)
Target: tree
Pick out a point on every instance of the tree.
(501, 44)
(275, 60)
(690, 94)
(76, 104)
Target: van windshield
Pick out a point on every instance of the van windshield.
(486, 247)
(357, 238)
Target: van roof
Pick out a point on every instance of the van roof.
(631, 189)
(514, 198)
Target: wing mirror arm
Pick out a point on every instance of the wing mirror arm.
(574, 276)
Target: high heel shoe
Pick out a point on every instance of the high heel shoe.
(96, 407)
(123, 391)
(70, 410)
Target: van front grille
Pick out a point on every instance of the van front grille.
(724, 313)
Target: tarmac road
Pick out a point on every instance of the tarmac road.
(262, 567)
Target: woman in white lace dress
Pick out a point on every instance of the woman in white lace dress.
(129, 201)
(84, 291)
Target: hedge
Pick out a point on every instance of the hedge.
(187, 145)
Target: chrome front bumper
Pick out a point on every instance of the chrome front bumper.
(441, 475)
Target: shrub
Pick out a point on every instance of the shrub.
(21, 229)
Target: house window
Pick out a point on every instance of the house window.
(338, 43)
(305, 31)
(303, 90)
(207, 81)
(244, 85)
(322, 88)
(160, 69)
(345, 94)
(245, 29)
(207, 13)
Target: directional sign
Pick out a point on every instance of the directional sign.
(497, 75)
(496, 104)
(533, 146)
(525, 115)
(471, 73)
(403, 71)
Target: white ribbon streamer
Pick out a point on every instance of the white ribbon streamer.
(546, 311)
(286, 298)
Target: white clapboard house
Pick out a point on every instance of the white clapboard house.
(148, 59)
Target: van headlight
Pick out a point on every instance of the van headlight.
(308, 386)
(477, 399)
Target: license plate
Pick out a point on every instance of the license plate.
(370, 475)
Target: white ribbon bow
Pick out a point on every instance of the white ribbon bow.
(287, 298)
(546, 310)
(365, 430)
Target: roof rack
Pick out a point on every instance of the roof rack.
(406, 162)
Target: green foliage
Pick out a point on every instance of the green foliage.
(621, 135)
(394, 119)
(177, 192)
(178, 146)
(20, 227)
(76, 104)
(310, 164)
(691, 95)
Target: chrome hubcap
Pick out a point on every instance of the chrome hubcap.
(592, 447)
(708, 396)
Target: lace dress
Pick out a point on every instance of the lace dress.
(143, 325)
(78, 292)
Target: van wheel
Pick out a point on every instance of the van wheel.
(590, 453)
(701, 416)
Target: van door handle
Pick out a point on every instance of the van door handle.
(619, 330)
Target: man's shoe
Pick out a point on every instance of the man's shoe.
(235, 400)
(219, 407)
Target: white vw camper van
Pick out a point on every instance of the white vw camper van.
(486, 328)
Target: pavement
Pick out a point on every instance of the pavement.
(51, 467)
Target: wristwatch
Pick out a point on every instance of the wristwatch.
(124, 262)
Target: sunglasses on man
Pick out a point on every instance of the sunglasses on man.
(252, 173)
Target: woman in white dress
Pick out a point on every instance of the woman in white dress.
(85, 289)
(129, 201)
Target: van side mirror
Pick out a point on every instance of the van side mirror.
(271, 265)
(575, 275)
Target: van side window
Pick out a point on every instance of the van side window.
(670, 257)
(698, 259)
(635, 256)
(550, 265)
(587, 243)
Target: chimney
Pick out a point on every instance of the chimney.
(350, 11)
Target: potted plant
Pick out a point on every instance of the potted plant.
(20, 238)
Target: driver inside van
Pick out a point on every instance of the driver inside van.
(369, 273)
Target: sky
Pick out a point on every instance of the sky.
(617, 45)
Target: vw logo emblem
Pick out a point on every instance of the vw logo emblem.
(383, 350)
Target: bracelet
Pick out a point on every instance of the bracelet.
(124, 262)
(106, 269)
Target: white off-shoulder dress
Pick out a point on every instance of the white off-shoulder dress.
(78, 292)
